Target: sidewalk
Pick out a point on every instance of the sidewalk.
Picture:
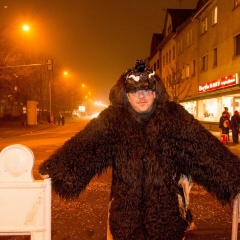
(18, 129)
(14, 128)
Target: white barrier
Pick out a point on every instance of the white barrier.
(25, 203)
(236, 217)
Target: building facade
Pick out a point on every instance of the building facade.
(207, 60)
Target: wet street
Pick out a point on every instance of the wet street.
(86, 218)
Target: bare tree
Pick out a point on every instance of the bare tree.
(178, 83)
(8, 57)
(24, 76)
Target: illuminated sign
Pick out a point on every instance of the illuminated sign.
(219, 83)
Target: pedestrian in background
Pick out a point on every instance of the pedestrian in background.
(59, 119)
(63, 120)
(224, 126)
(23, 119)
(227, 113)
(52, 119)
(229, 117)
(147, 141)
(235, 121)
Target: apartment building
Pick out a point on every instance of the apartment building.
(207, 59)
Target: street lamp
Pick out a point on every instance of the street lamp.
(25, 28)
(50, 68)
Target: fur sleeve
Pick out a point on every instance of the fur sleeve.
(85, 155)
(203, 156)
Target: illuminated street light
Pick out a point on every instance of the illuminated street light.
(25, 28)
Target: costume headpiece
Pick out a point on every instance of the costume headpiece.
(140, 78)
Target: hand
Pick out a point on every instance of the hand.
(44, 176)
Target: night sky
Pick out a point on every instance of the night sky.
(94, 40)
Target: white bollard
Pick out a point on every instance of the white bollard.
(25, 203)
(235, 220)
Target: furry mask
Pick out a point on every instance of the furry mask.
(140, 78)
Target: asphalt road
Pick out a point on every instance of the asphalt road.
(86, 218)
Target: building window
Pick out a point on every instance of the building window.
(204, 62)
(180, 46)
(183, 73)
(169, 29)
(237, 45)
(173, 77)
(158, 64)
(215, 57)
(237, 2)
(193, 68)
(173, 53)
(204, 25)
(214, 16)
(163, 60)
(189, 38)
(166, 58)
(170, 80)
(170, 55)
(187, 71)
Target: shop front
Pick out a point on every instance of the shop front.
(212, 97)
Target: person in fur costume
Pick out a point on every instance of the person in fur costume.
(150, 143)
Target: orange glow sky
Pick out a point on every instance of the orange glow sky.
(95, 40)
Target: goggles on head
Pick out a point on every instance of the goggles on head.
(140, 78)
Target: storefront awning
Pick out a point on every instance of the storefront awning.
(213, 94)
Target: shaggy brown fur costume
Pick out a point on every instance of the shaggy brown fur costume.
(144, 159)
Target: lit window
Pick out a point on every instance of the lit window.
(183, 74)
(187, 71)
(180, 49)
(173, 77)
(215, 57)
(204, 62)
(237, 2)
(193, 68)
(214, 15)
(237, 45)
(204, 25)
(189, 38)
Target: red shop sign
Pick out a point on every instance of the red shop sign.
(219, 83)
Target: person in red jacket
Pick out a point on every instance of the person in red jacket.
(224, 123)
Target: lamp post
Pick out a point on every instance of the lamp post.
(50, 69)
(50, 98)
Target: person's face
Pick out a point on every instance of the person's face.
(142, 100)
